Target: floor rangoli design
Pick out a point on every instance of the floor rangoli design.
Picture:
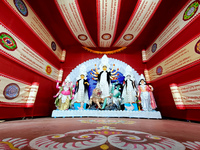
(98, 121)
(102, 138)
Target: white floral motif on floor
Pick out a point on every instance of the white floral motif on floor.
(117, 138)
(101, 137)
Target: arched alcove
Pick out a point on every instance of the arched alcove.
(90, 64)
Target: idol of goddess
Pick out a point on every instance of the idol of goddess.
(65, 94)
(145, 94)
(104, 76)
(81, 93)
(129, 88)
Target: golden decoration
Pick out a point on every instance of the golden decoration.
(104, 52)
(104, 147)
(48, 69)
(10, 145)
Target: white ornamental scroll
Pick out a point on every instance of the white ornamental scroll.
(183, 19)
(24, 11)
(107, 20)
(140, 17)
(70, 11)
(16, 49)
(186, 95)
(17, 93)
(144, 56)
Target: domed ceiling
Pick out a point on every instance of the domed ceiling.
(103, 26)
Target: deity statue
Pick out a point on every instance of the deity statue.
(96, 98)
(65, 94)
(115, 97)
(145, 94)
(104, 76)
(81, 93)
(129, 88)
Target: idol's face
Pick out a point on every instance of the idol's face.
(104, 68)
(142, 82)
(128, 76)
(82, 76)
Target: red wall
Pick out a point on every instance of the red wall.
(44, 103)
(77, 55)
(44, 100)
(162, 91)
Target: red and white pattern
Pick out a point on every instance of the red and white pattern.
(176, 25)
(107, 20)
(186, 95)
(181, 59)
(72, 16)
(17, 93)
(140, 17)
(102, 137)
(192, 145)
(28, 57)
(35, 24)
(117, 138)
(13, 143)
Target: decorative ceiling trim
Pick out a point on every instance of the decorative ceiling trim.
(186, 16)
(19, 51)
(107, 20)
(140, 17)
(28, 16)
(104, 52)
(73, 18)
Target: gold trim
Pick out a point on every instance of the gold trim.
(106, 52)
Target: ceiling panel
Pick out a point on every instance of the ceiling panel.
(51, 17)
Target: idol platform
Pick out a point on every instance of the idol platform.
(107, 113)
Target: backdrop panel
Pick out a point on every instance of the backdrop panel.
(16, 93)
(16, 49)
(183, 19)
(183, 58)
(186, 95)
(29, 17)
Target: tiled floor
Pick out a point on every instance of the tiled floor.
(99, 133)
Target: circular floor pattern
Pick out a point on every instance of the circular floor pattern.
(105, 134)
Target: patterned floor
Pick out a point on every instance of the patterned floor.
(99, 134)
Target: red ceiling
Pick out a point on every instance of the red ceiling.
(49, 14)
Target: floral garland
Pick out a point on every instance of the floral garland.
(104, 52)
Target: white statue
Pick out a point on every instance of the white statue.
(65, 94)
(81, 93)
(145, 95)
(104, 76)
(129, 89)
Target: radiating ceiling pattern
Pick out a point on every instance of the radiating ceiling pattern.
(107, 20)
(72, 16)
(139, 19)
(101, 26)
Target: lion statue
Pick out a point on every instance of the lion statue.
(96, 97)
